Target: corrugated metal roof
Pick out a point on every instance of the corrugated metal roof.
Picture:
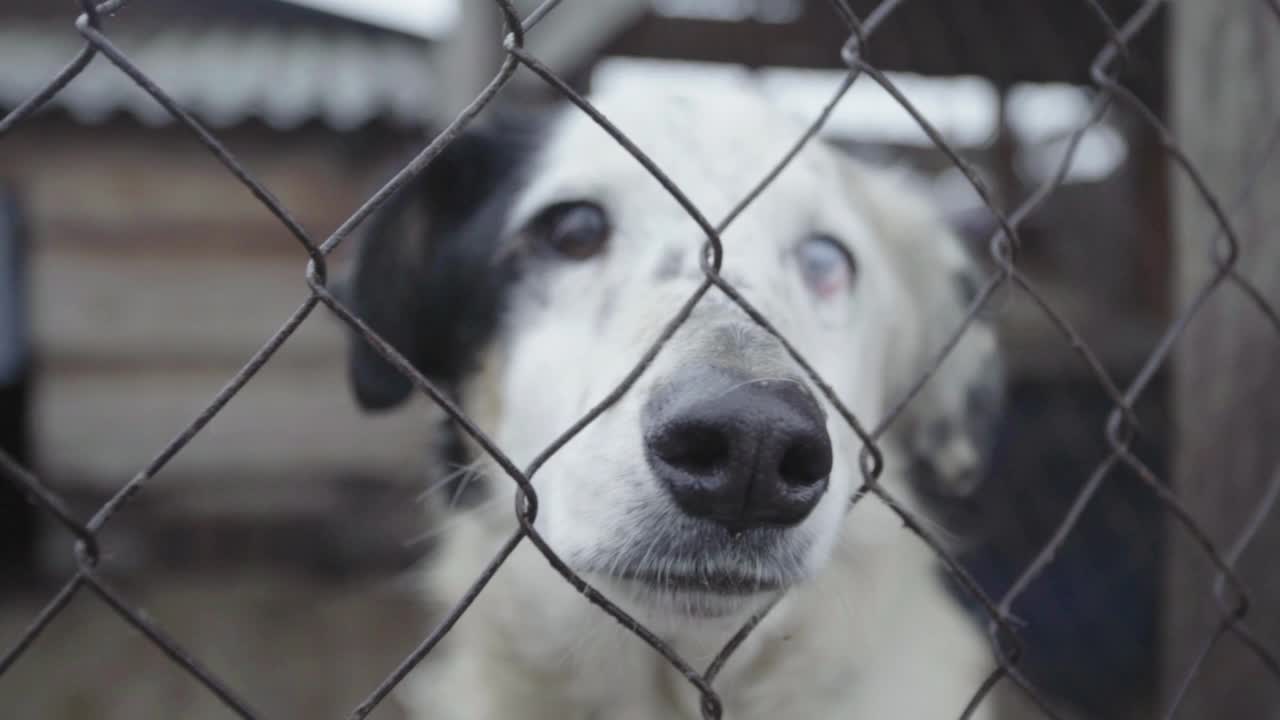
(431, 19)
(228, 74)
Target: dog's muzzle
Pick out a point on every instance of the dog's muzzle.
(741, 452)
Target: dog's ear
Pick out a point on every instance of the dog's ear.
(426, 276)
(949, 429)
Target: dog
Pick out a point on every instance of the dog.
(527, 271)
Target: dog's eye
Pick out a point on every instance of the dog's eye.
(574, 230)
(826, 265)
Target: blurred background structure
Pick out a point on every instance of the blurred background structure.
(136, 276)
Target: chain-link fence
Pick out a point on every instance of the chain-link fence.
(858, 55)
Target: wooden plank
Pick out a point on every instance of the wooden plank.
(290, 424)
(1227, 389)
(123, 173)
(333, 528)
(145, 311)
(293, 648)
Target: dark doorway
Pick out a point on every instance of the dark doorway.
(18, 518)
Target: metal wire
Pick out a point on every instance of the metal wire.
(1121, 425)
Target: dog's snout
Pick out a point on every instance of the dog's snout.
(743, 453)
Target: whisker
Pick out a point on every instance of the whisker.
(451, 522)
(463, 484)
(456, 472)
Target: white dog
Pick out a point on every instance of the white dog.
(529, 270)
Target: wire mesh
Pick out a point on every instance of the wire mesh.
(1120, 429)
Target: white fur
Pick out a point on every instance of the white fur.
(868, 630)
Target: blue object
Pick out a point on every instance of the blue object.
(14, 333)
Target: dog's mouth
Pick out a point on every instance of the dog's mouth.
(707, 582)
(703, 595)
(697, 570)
(698, 590)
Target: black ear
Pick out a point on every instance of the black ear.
(426, 276)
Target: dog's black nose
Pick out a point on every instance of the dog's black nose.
(741, 452)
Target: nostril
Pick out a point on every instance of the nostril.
(805, 463)
(695, 449)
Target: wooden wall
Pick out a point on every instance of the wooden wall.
(154, 277)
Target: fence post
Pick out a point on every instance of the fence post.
(1225, 108)
(467, 60)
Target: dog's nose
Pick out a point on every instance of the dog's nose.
(740, 452)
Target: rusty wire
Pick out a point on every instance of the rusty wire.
(1120, 429)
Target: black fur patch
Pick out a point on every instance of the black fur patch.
(429, 277)
(669, 266)
(984, 406)
(982, 422)
(967, 288)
